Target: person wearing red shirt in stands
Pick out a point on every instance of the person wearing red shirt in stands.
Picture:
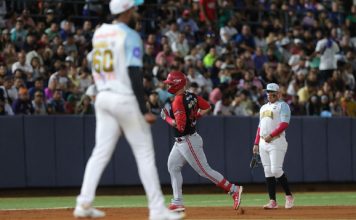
(208, 11)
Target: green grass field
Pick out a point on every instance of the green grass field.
(201, 200)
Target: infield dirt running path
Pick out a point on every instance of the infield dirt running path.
(195, 213)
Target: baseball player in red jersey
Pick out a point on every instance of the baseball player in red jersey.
(186, 108)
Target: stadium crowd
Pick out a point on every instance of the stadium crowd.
(229, 50)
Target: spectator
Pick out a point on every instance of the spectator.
(223, 107)
(327, 48)
(85, 80)
(148, 59)
(296, 108)
(349, 104)
(85, 107)
(18, 34)
(23, 66)
(210, 58)
(228, 31)
(52, 31)
(153, 103)
(9, 90)
(313, 106)
(245, 40)
(180, 47)
(208, 12)
(61, 77)
(172, 34)
(38, 87)
(70, 105)
(166, 54)
(56, 104)
(39, 104)
(185, 21)
(23, 105)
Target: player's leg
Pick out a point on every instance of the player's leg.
(138, 134)
(277, 159)
(194, 154)
(270, 179)
(106, 136)
(175, 164)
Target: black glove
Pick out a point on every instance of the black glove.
(255, 161)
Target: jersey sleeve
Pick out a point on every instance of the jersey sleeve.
(133, 49)
(179, 113)
(285, 113)
(203, 104)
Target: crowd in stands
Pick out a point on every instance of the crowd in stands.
(229, 50)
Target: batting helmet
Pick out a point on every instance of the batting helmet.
(176, 81)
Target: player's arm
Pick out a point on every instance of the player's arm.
(285, 118)
(256, 144)
(133, 50)
(179, 114)
(204, 107)
(136, 77)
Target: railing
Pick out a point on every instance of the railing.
(75, 10)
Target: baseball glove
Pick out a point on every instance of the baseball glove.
(255, 161)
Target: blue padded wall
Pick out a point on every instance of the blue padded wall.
(40, 150)
(125, 165)
(315, 152)
(293, 161)
(257, 174)
(238, 149)
(212, 131)
(339, 149)
(69, 150)
(162, 146)
(12, 152)
(353, 148)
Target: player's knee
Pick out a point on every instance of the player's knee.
(268, 172)
(173, 167)
(277, 171)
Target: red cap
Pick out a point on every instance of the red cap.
(186, 12)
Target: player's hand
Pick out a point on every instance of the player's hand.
(150, 118)
(164, 113)
(255, 149)
(268, 138)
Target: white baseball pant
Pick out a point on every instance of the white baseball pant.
(113, 113)
(190, 150)
(272, 157)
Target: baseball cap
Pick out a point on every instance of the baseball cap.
(49, 11)
(272, 87)
(119, 6)
(23, 91)
(186, 12)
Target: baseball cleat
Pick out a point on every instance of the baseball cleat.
(271, 205)
(176, 208)
(167, 215)
(236, 196)
(289, 202)
(89, 212)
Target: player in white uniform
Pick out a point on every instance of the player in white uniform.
(120, 107)
(271, 143)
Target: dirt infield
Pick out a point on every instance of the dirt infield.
(211, 213)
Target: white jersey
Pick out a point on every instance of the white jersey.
(328, 49)
(115, 48)
(271, 115)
